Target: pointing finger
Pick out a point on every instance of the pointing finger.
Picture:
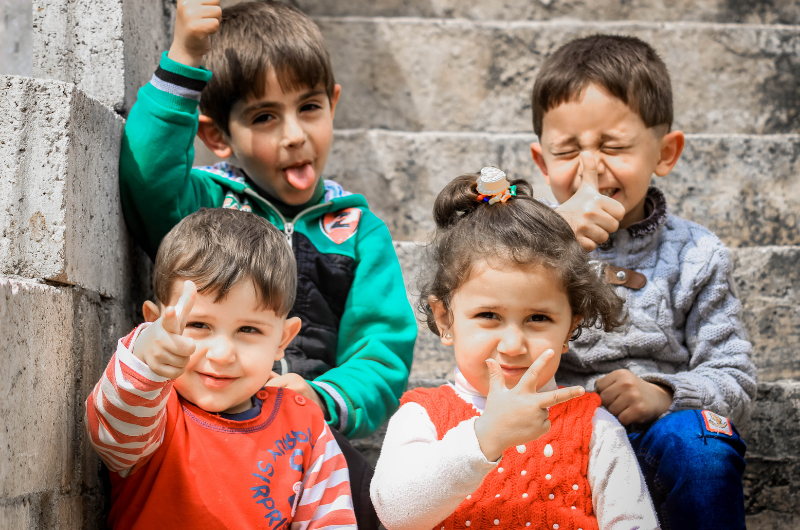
(530, 379)
(589, 170)
(561, 395)
(185, 304)
(170, 321)
(497, 381)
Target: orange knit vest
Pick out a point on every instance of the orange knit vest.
(528, 490)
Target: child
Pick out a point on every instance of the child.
(680, 374)
(181, 415)
(510, 286)
(268, 110)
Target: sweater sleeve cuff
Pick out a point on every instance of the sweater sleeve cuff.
(177, 86)
(687, 394)
(336, 413)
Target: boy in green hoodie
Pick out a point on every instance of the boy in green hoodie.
(268, 111)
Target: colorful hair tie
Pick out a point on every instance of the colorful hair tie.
(494, 187)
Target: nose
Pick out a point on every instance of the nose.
(512, 341)
(293, 133)
(220, 350)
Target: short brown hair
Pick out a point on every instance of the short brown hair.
(523, 231)
(627, 67)
(218, 248)
(253, 38)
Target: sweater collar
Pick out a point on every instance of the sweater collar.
(655, 207)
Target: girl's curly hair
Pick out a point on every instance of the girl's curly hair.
(522, 230)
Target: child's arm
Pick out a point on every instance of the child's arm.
(376, 338)
(420, 480)
(325, 498)
(619, 493)
(157, 184)
(126, 411)
(720, 375)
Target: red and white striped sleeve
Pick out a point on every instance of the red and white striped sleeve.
(126, 412)
(325, 501)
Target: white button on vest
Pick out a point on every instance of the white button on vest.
(496, 522)
(524, 495)
(575, 487)
(548, 477)
(521, 449)
(551, 496)
(499, 469)
(467, 523)
(523, 472)
(548, 450)
(555, 527)
(497, 496)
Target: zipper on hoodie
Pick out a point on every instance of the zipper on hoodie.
(288, 227)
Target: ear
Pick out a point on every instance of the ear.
(671, 149)
(442, 318)
(213, 137)
(575, 321)
(536, 154)
(291, 327)
(337, 90)
(150, 311)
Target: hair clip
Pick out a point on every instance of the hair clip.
(494, 187)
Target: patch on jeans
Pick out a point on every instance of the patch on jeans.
(717, 423)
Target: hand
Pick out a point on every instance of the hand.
(161, 345)
(519, 415)
(195, 21)
(632, 399)
(591, 215)
(296, 383)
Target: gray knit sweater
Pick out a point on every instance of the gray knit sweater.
(683, 327)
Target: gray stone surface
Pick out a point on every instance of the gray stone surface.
(16, 35)
(768, 281)
(739, 186)
(108, 48)
(459, 75)
(60, 216)
(728, 11)
(54, 343)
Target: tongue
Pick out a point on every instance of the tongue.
(300, 177)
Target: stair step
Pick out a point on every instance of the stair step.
(777, 12)
(742, 187)
(768, 281)
(456, 75)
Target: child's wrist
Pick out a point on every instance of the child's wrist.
(486, 442)
(179, 54)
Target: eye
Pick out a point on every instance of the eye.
(197, 325)
(310, 107)
(566, 153)
(250, 330)
(540, 318)
(263, 118)
(486, 315)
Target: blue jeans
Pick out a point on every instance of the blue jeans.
(694, 474)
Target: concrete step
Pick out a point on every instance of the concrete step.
(775, 12)
(60, 217)
(768, 281)
(457, 75)
(739, 186)
(772, 476)
(54, 344)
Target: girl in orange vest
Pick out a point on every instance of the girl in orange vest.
(502, 446)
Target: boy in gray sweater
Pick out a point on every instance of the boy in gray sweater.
(679, 375)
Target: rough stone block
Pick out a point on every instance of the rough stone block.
(740, 187)
(108, 48)
(457, 75)
(15, 38)
(777, 12)
(54, 344)
(60, 216)
(768, 280)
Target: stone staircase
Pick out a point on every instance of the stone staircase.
(434, 88)
(431, 88)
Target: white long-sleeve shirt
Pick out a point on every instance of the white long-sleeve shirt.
(420, 480)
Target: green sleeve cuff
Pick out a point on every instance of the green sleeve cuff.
(200, 74)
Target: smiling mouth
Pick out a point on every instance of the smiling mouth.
(215, 381)
(609, 192)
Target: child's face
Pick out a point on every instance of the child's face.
(626, 150)
(282, 139)
(511, 314)
(237, 342)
